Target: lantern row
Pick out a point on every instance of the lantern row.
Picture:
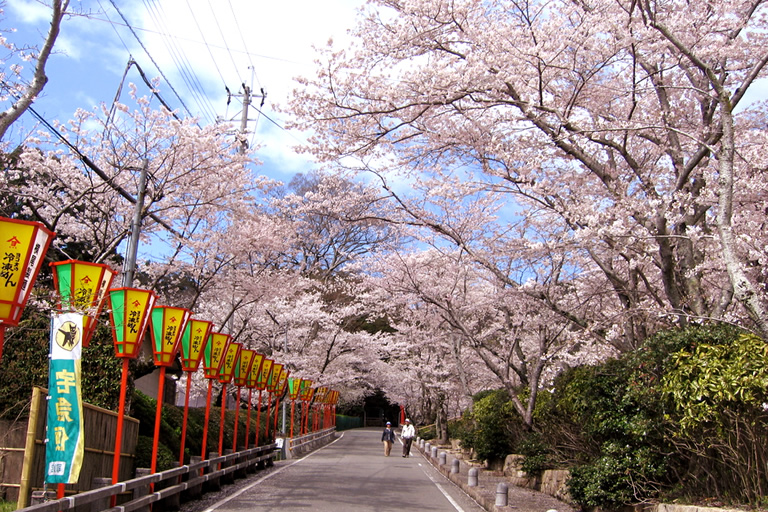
(83, 288)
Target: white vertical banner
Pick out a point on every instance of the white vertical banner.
(65, 444)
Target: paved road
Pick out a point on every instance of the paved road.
(351, 474)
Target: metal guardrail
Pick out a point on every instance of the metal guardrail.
(99, 499)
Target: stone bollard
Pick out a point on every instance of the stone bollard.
(99, 483)
(472, 477)
(455, 466)
(443, 458)
(428, 448)
(433, 453)
(502, 494)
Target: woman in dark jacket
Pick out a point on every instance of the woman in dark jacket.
(388, 437)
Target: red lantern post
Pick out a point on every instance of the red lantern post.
(304, 395)
(250, 383)
(282, 384)
(23, 245)
(213, 357)
(168, 325)
(129, 310)
(274, 376)
(261, 384)
(242, 371)
(193, 343)
(293, 393)
(226, 373)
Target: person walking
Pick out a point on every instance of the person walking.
(388, 437)
(406, 435)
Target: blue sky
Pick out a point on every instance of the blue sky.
(200, 46)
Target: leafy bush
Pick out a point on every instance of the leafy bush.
(536, 452)
(719, 388)
(491, 427)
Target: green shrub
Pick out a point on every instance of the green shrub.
(719, 388)
(492, 425)
(536, 452)
(166, 459)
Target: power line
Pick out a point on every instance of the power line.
(199, 28)
(179, 56)
(224, 39)
(127, 24)
(242, 39)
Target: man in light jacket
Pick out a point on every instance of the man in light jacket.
(406, 435)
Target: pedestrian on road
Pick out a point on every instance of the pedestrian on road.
(406, 435)
(388, 437)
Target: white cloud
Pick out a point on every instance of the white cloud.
(28, 11)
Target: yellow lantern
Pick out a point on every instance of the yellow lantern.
(214, 354)
(130, 309)
(243, 367)
(227, 369)
(82, 287)
(23, 245)
(167, 327)
(193, 343)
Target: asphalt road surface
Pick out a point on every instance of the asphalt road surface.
(351, 474)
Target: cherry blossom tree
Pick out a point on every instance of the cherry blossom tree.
(624, 128)
(17, 89)
(196, 182)
(486, 327)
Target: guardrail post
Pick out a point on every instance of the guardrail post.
(229, 478)
(99, 482)
(472, 477)
(195, 491)
(39, 497)
(143, 490)
(213, 483)
(502, 494)
(455, 466)
(172, 502)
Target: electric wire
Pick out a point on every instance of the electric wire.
(179, 56)
(207, 46)
(224, 39)
(242, 39)
(150, 57)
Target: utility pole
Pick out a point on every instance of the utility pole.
(244, 118)
(247, 96)
(133, 243)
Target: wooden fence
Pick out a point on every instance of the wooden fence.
(167, 490)
(22, 450)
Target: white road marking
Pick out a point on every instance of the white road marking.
(442, 490)
(257, 482)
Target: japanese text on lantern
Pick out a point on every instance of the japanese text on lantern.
(133, 321)
(32, 265)
(170, 336)
(9, 266)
